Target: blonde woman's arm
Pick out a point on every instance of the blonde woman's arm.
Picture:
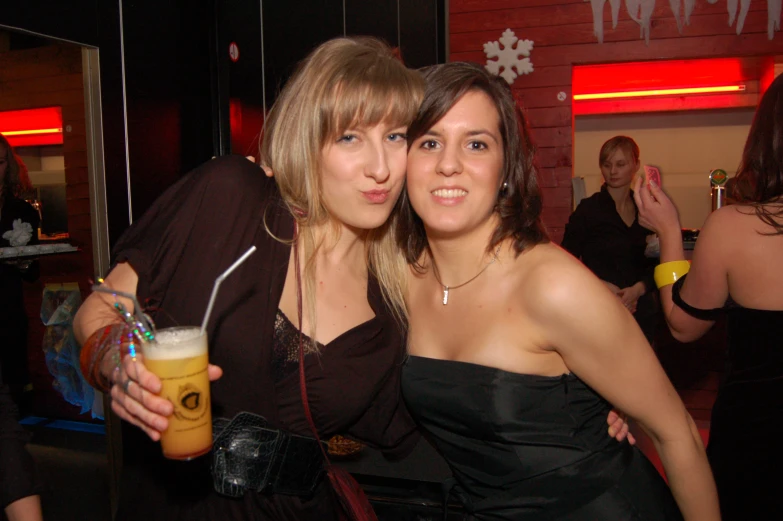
(134, 390)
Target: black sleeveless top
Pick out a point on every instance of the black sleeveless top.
(531, 447)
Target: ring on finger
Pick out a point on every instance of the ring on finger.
(126, 385)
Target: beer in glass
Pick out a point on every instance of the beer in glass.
(179, 358)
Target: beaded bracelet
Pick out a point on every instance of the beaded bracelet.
(667, 273)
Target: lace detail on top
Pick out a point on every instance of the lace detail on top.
(285, 357)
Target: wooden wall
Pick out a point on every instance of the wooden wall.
(562, 31)
(44, 77)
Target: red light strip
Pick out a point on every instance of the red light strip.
(659, 92)
(30, 132)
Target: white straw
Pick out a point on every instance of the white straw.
(220, 279)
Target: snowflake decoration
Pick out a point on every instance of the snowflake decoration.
(508, 56)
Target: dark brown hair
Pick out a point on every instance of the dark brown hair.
(16, 181)
(519, 202)
(624, 143)
(759, 180)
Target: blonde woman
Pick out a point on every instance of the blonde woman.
(335, 145)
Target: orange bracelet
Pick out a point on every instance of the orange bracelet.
(94, 350)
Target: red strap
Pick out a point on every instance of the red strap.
(302, 384)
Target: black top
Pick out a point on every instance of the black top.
(193, 232)
(746, 467)
(528, 447)
(614, 251)
(750, 400)
(18, 475)
(11, 294)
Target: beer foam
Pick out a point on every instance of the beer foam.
(174, 343)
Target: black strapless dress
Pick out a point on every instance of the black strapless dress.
(527, 447)
(746, 429)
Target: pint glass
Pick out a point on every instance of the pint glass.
(179, 358)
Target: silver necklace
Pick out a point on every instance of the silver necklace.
(446, 288)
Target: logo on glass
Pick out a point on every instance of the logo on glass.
(191, 404)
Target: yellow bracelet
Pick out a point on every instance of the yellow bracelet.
(668, 272)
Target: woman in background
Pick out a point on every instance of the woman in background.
(736, 273)
(19, 223)
(605, 234)
(516, 350)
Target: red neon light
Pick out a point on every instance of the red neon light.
(659, 92)
(662, 74)
(32, 127)
(29, 132)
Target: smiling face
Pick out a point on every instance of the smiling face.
(362, 174)
(619, 168)
(455, 168)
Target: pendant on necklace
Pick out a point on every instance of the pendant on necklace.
(445, 295)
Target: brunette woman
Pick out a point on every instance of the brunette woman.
(516, 349)
(735, 273)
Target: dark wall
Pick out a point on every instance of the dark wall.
(180, 86)
(273, 36)
(94, 23)
(168, 57)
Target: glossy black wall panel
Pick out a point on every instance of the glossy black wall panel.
(241, 92)
(377, 18)
(169, 93)
(292, 28)
(75, 20)
(419, 35)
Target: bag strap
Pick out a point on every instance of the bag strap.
(302, 384)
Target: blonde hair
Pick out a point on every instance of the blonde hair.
(624, 143)
(344, 83)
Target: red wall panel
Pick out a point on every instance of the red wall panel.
(562, 32)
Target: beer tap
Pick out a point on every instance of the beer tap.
(718, 178)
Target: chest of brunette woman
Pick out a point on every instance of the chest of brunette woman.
(487, 322)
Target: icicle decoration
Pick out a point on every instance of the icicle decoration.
(732, 5)
(598, 16)
(689, 5)
(598, 19)
(641, 12)
(744, 8)
(773, 16)
(676, 8)
(647, 8)
(615, 5)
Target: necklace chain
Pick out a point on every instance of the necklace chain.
(446, 288)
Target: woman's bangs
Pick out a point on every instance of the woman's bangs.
(367, 103)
